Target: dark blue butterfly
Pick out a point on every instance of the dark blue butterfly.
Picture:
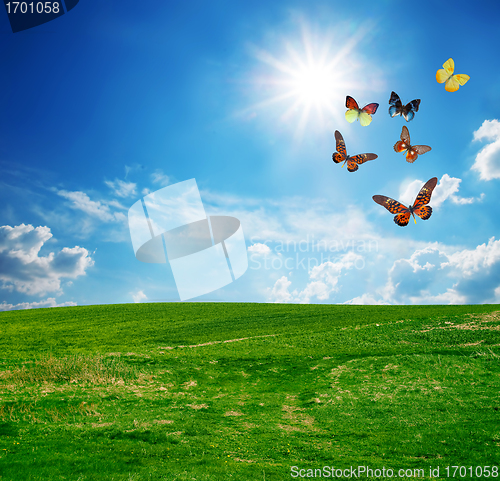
(397, 107)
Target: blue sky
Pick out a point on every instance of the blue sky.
(113, 101)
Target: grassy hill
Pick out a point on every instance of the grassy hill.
(215, 391)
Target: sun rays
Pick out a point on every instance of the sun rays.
(304, 83)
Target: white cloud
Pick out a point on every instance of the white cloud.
(259, 249)
(24, 270)
(118, 205)
(433, 276)
(450, 297)
(487, 161)
(408, 192)
(279, 292)
(446, 188)
(366, 300)
(133, 168)
(139, 296)
(323, 281)
(121, 188)
(294, 220)
(325, 277)
(158, 177)
(81, 201)
(476, 261)
(497, 296)
(50, 302)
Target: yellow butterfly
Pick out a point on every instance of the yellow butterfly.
(445, 74)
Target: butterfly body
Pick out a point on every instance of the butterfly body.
(412, 151)
(354, 161)
(397, 108)
(451, 82)
(364, 115)
(419, 207)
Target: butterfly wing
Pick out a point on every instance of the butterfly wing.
(424, 212)
(421, 149)
(424, 197)
(454, 82)
(351, 165)
(411, 155)
(350, 103)
(404, 143)
(405, 135)
(355, 160)
(402, 219)
(394, 207)
(364, 118)
(443, 74)
(395, 105)
(394, 110)
(341, 154)
(408, 114)
(352, 115)
(370, 108)
(462, 78)
(415, 104)
(339, 140)
(408, 111)
(414, 151)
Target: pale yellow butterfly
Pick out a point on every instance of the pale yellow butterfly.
(445, 74)
(355, 113)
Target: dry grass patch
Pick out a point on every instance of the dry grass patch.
(198, 406)
(477, 323)
(74, 369)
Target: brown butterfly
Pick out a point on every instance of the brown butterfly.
(397, 107)
(419, 207)
(352, 162)
(412, 151)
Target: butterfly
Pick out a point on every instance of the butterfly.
(412, 151)
(453, 82)
(397, 107)
(419, 207)
(352, 162)
(354, 112)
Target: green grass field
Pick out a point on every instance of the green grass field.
(209, 391)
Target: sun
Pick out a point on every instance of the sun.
(306, 83)
(313, 84)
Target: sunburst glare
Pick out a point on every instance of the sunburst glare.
(306, 84)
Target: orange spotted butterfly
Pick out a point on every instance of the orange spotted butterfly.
(352, 162)
(412, 151)
(397, 107)
(354, 112)
(419, 207)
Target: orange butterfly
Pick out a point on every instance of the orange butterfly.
(419, 207)
(412, 151)
(352, 162)
(354, 112)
